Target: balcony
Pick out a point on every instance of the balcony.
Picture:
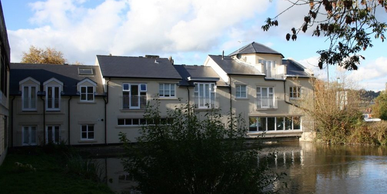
(266, 103)
(134, 102)
(206, 102)
(273, 72)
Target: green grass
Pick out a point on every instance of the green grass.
(40, 172)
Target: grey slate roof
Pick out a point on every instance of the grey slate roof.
(195, 73)
(294, 68)
(233, 67)
(255, 48)
(136, 67)
(67, 74)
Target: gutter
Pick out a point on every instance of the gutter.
(68, 120)
(44, 120)
(230, 91)
(11, 120)
(106, 99)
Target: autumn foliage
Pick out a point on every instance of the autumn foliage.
(40, 56)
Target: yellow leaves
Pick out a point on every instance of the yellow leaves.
(40, 56)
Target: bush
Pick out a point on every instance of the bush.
(194, 153)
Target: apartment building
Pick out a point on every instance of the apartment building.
(83, 105)
(56, 103)
(4, 87)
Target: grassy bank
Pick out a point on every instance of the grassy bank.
(48, 170)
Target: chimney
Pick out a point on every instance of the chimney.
(152, 56)
(171, 60)
(222, 54)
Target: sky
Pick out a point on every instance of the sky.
(187, 30)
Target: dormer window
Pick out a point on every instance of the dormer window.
(53, 97)
(267, 66)
(86, 89)
(87, 93)
(29, 97)
(29, 88)
(53, 88)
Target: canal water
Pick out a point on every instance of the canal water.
(310, 168)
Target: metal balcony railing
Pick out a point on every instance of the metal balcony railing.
(134, 102)
(266, 102)
(206, 102)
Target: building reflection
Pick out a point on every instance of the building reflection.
(310, 168)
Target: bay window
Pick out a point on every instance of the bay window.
(260, 124)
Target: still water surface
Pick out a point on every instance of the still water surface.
(310, 168)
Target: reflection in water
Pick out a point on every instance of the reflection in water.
(310, 168)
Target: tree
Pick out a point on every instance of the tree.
(379, 109)
(40, 56)
(190, 153)
(348, 24)
(335, 110)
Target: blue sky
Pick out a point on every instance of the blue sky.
(187, 30)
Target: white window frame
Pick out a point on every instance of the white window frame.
(127, 88)
(87, 131)
(167, 90)
(284, 124)
(295, 92)
(268, 67)
(29, 99)
(31, 133)
(205, 94)
(55, 131)
(86, 94)
(265, 100)
(239, 93)
(131, 121)
(53, 98)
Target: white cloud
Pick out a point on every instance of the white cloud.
(371, 75)
(130, 27)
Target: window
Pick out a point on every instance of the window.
(241, 91)
(3, 76)
(29, 98)
(28, 135)
(52, 134)
(167, 90)
(257, 124)
(131, 122)
(265, 97)
(267, 66)
(87, 93)
(134, 96)
(295, 92)
(87, 132)
(205, 95)
(53, 98)
(85, 71)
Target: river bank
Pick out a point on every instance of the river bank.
(39, 171)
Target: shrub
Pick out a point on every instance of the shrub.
(194, 153)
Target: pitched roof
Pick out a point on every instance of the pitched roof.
(137, 67)
(235, 67)
(295, 69)
(68, 74)
(255, 48)
(195, 73)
